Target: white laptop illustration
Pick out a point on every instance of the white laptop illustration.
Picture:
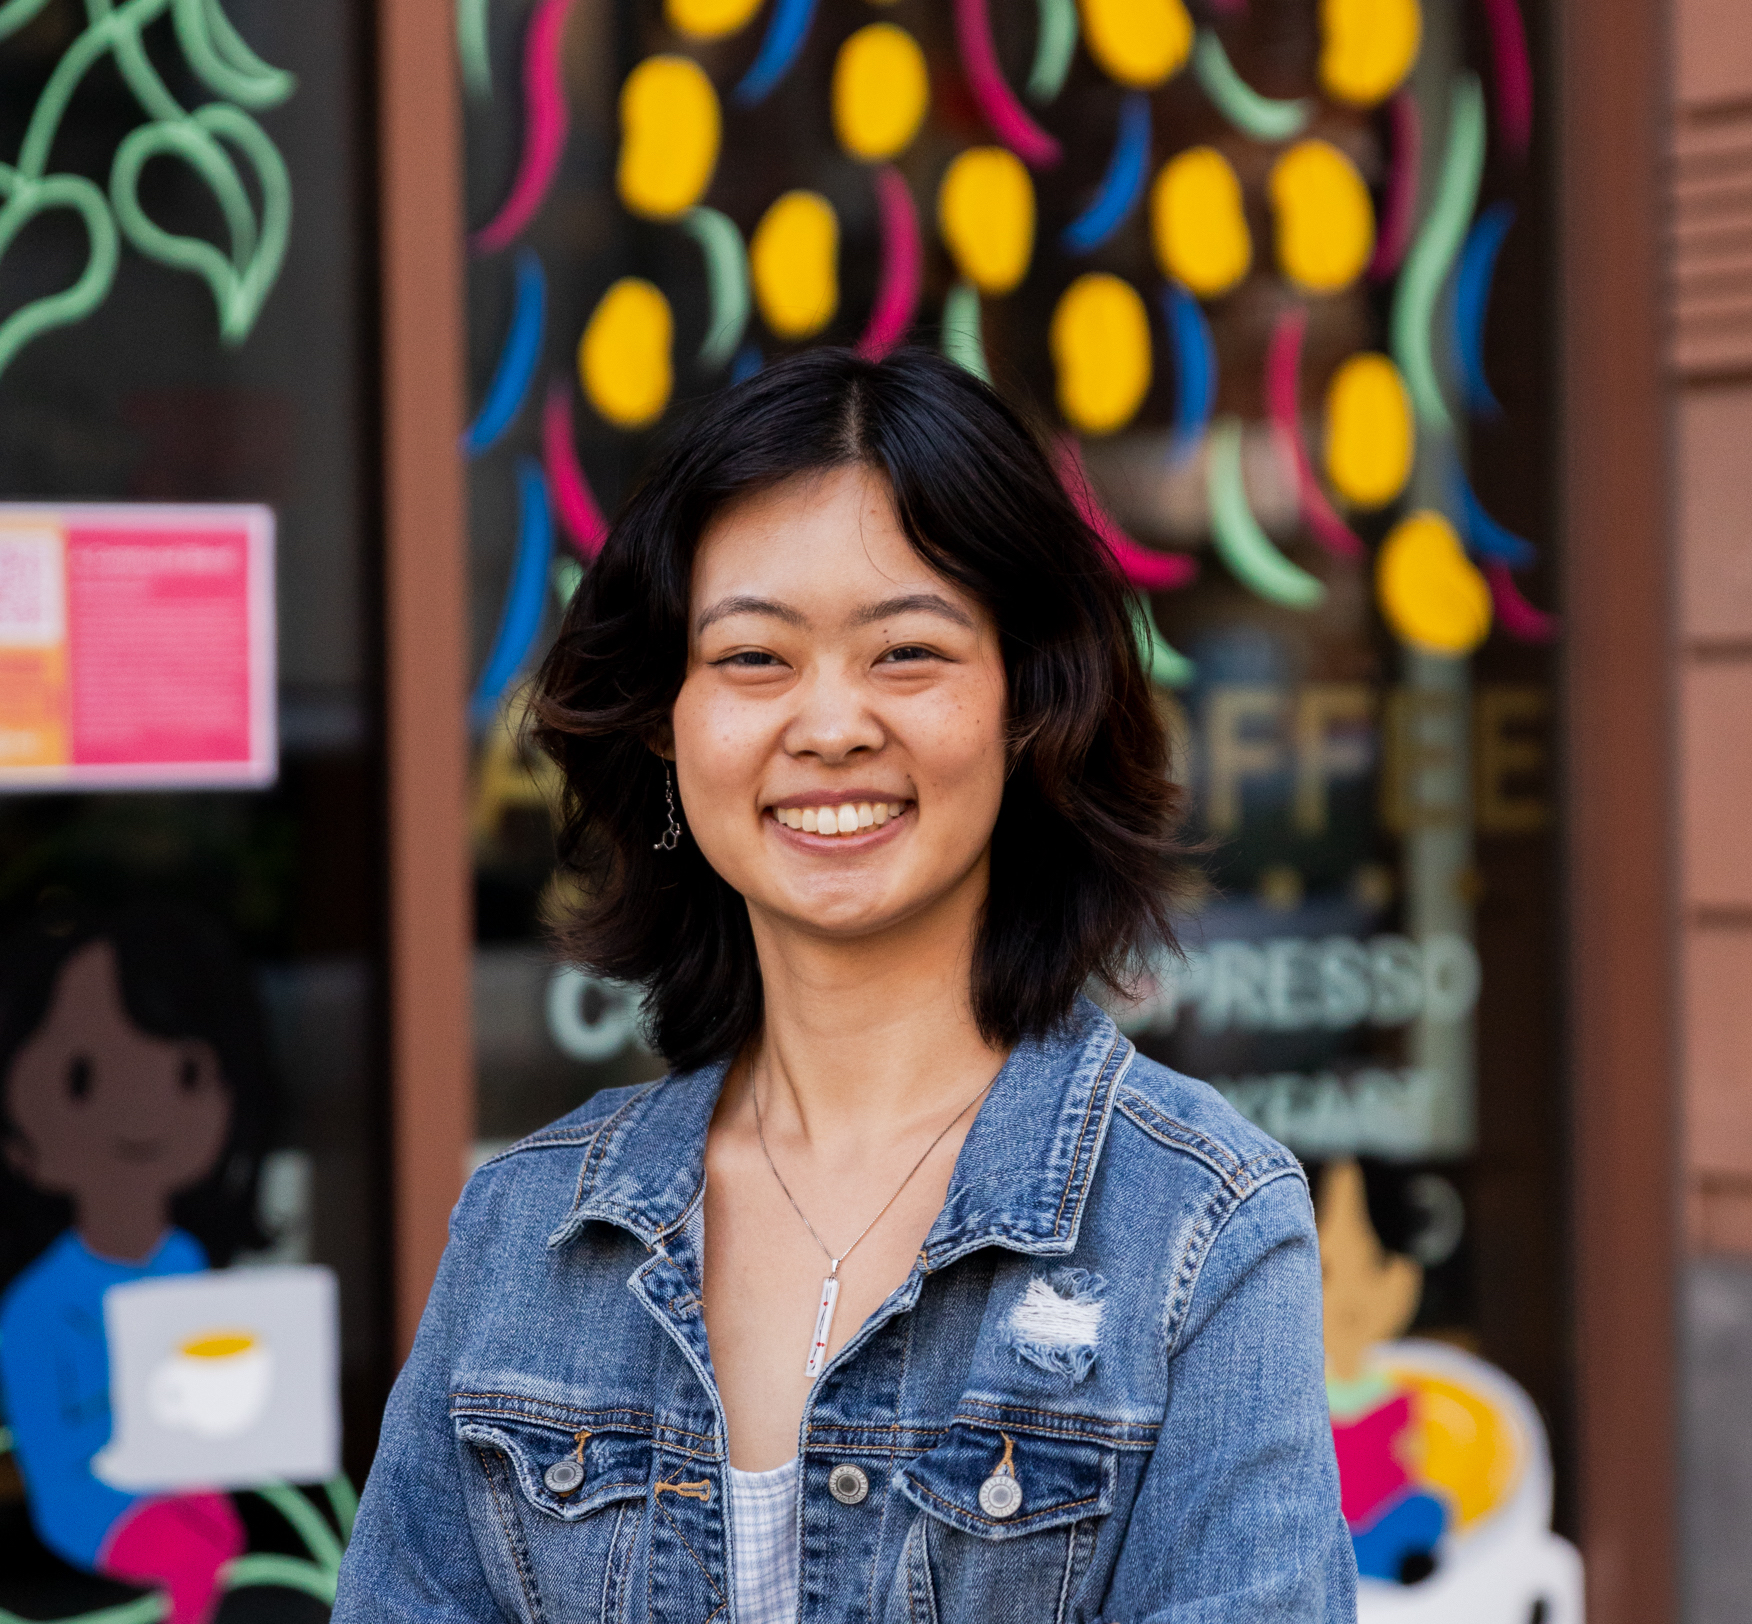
(222, 1381)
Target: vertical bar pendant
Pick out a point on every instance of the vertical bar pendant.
(823, 1326)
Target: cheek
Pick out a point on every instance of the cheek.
(718, 740)
(963, 745)
(721, 746)
(203, 1121)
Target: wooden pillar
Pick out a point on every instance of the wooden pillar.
(1622, 894)
(425, 608)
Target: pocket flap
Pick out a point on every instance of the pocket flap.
(613, 1447)
(1061, 1480)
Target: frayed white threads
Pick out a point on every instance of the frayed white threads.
(1057, 1325)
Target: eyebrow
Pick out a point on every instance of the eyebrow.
(928, 603)
(770, 607)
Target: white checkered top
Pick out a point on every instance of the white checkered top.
(763, 1515)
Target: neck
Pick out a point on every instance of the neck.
(125, 1229)
(873, 1034)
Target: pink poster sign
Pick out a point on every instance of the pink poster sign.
(136, 646)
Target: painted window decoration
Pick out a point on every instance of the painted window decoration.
(1443, 1465)
(947, 185)
(143, 1384)
(216, 140)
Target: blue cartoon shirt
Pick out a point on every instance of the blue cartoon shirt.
(54, 1363)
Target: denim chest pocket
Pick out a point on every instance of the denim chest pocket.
(1007, 1525)
(555, 1498)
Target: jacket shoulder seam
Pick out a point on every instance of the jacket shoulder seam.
(571, 1137)
(1239, 1175)
(1224, 1203)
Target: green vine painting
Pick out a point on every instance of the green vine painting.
(219, 141)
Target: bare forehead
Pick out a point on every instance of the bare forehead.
(817, 551)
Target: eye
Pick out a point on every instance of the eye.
(79, 1071)
(750, 659)
(909, 652)
(189, 1074)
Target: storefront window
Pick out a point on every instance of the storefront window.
(185, 298)
(1274, 279)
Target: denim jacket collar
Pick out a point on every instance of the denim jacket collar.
(1013, 1185)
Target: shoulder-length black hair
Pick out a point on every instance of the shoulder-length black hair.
(180, 977)
(1084, 858)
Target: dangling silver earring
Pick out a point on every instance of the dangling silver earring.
(672, 835)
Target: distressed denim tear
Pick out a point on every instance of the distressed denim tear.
(1057, 1324)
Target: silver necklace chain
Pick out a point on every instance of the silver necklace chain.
(834, 1262)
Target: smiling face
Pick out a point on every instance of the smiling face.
(110, 1115)
(837, 683)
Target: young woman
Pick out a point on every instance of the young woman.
(913, 1293)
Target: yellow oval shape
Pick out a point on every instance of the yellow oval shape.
(794, 259)
(1137, 42)
(1325, 221)
(1197, 222)
(1371, 436)
(1100, 343)
(218, 1345)
(985, 212)
(1367, 47)
(1428, 589)
(708, 19)
(670, 128)
(623, 357)
(880, 91)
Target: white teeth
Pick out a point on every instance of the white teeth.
(845, 819)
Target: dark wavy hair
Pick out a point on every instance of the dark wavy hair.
(1084, 858)
(180, 978)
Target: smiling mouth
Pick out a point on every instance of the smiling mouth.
(838, 817)
(137, 1150)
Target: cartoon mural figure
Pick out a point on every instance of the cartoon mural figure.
(133, 1084)
(1371, 1296)
(1444, 1472)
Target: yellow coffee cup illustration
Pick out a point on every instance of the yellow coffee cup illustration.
(215, 1385)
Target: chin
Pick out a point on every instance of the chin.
(847, 914)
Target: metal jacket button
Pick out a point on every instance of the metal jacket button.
(848, 1484)
(564, 1476)
(1000, 1495)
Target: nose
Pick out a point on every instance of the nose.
(832, 721)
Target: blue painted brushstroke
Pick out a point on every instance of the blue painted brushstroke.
(747, 363)
(1121, 186)
(517, 360)
(1484, 536)
(1195, 369)
(521, 618)
(1472, 285)
(786, 31)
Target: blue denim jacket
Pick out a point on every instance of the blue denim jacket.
(1120, 1299)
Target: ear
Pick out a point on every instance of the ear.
(661, 741)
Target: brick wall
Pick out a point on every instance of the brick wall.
(1711, 354)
